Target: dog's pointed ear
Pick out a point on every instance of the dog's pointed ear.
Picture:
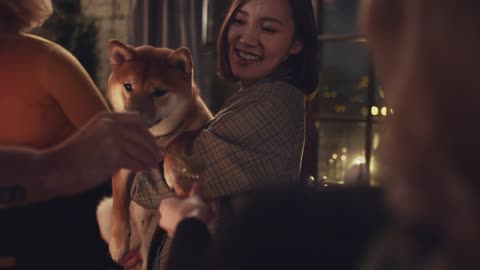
(119, 53)
(182, 59)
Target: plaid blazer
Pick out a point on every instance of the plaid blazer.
(258, 135)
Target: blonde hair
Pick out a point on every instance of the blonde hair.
(428, 53)
(18, 15)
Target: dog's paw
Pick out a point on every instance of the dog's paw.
(119, 240)
(117, 237)
(119, 245)
(104, 218)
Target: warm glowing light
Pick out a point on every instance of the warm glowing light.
(311, 178)
(381, 92)
(359, 161)
(340, 108)
(334, 156)
(363, 82)
(384, 111)
(373, 165)
(374, 110)
(391, 111)
(375, 141)
(343, 157)
(331, 161)
(324, 177)
(344, 150)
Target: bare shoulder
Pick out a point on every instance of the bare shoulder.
(35, 49)
(30, 44)
(46, 51)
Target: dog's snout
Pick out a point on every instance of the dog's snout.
(147, 117)
(144, 106)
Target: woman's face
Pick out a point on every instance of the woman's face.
(260, 38)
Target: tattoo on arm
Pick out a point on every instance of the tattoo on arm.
(12, 195)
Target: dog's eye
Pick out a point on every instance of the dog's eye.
(157, 92)
(128, 87)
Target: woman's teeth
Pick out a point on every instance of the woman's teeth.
(247, 56)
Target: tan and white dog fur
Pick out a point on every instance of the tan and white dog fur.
(157, 83)
(143, 224)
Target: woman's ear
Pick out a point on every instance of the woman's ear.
(296, 47)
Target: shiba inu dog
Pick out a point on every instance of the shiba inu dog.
(157, 83)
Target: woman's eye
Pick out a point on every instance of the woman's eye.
(269, 29)
(157, 92)
(238, 21)
(128, 87)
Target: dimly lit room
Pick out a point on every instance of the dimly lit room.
(239, 134)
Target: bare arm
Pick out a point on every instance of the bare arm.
(21, 169)
(108, 142)
(66, 80)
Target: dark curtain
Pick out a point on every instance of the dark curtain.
(175, 24)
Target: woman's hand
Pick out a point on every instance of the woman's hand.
(131, 260)
(174, 210)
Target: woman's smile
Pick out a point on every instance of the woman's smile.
(261, 37)
(248, 56)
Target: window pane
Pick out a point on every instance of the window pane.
(344, 84)
(341, 154)
(339, 16)
(374, 161)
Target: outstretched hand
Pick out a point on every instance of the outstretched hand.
(108, 142)
(174, 210)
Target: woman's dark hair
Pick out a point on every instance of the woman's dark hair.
(304, 65)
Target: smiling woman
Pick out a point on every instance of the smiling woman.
(270, 47)
(269, 33)
(260, 38)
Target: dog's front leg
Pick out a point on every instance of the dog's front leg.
(119, 243)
